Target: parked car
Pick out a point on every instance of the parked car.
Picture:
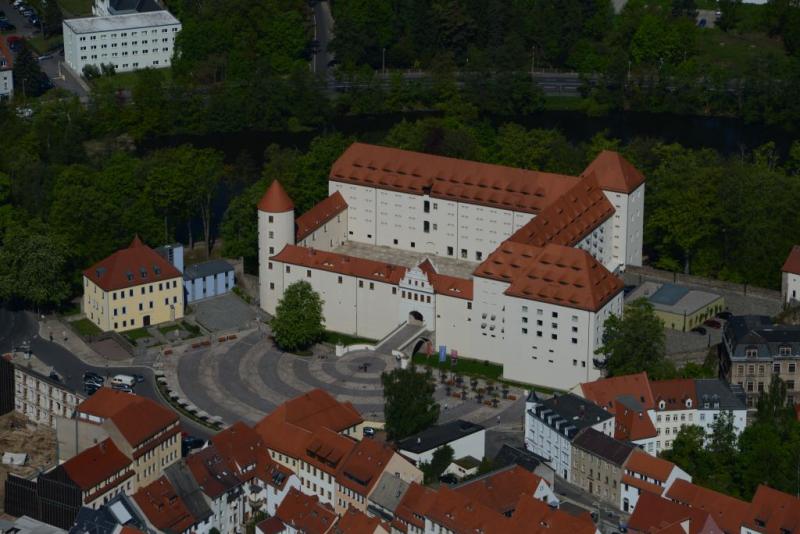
(123, 381)
(368, 431)
(699, 330)
(713, 323)
(92, 375)
(90, 389)
(725, 315)
(189, 443)
(448, 478)
(139, 378)
(6, 26)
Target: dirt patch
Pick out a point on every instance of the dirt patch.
(19, 435)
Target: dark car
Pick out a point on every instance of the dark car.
(725, 315)
(368, 431)
(90, 389)
(713, 323)
(189, 443)
(6, 26)
(91, 375)
(449, 478)
(34, 20)
(699, 330)
(139, 378)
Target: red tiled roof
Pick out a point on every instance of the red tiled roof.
(614, 173)
(137, 418)
(136, 265)
(451, 286)
(656, 515)
(163, 507)
(305, 513)
(243, 447)
(728, 512)
(414, 505)
(448, 178)
(605, 391)
(5, 52)
(458, 513)
(275, 199)
(283, 437)
(567, 277)
(326, 450)
(501, 491)
(792, 263)
(96, 464)
(569, 219)
(532, 516)
(341, 263)
(778, 512)
(632, 425)
(356, 522)
(642, 484)
(130, 530)
(364, 466)
(318, 408)
(317, 216)
(674, 393)
(652, 466)
(213, 473)
(271, 525)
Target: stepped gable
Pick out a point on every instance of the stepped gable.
(275, 199)
(341, 264)
(320, 214)
(136, 265)
(446, 178)
(569, 219)
(443, 284)
(567, 277)
(614, 173)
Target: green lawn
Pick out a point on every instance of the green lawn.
(122, 80)
(336, 338)
(735, 52)
(191, 328)
(76, 8)
(139, 333)
(170, 328)
(464, 366)
(70, 310)
(85, 327)
(42, 45)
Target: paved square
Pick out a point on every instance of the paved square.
(226, 312)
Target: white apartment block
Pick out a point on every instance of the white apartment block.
(129, 42)
(517, 266)
(41, 399)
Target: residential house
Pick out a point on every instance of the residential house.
(509, 455)
(301, 514)
(678, 307)
(772, 512)
(753, 350)
(118, 516)
(646, 473)
(675, 407)
(501, 489)
(552, 424)
(464, 437)
(6, 72)
(353, 521)
(727, 512)
(598, 462)
(715, 396)
(386, 496)
(223, 490)
(39, 398)
(133, 288)
(208, 279)
(464, 467)
(655, 515)
(165, 510)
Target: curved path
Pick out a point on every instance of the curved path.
(250, 377)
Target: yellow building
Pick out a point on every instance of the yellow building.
(132, 288)
(680, 308)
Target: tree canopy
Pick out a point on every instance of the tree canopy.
(298, 321)
(442, 457)
(409, 406)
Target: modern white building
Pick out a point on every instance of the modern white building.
(129, 42)
(465, 438)
(552, 424)
(506, 265)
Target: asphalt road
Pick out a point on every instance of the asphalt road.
(17, 327)
(323, 32)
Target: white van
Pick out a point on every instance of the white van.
(123, 382)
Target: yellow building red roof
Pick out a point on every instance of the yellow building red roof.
(133, 266)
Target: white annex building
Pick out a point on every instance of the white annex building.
(129, 42)
(501, 264)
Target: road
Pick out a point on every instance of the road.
(17, 327)
(323, 32)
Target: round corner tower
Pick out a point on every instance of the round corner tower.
(275, 231)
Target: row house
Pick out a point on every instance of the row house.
(651, 413)
(647, 474)
(698, 509)
(598, 463)
(552, 424)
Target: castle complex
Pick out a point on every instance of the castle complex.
(507, 265)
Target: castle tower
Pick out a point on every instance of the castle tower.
(275, 231)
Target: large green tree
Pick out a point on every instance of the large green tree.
(409, 406)
(634, 342)
(442, 457)
(298, 322)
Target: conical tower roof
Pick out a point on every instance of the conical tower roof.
(275, 200)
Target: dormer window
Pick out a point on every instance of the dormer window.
(785, 351)
(143, 272)
(129, 276)
(688, 403)
(662, 405)
(751, 353)
(156, 270)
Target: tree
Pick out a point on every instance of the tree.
(27, 74)
(688, 451)
(442, 457)
(635, 342)
(409, 406)
(52, 18)
(730, 14)
(90, 72)
(298, 321)
(34, 266)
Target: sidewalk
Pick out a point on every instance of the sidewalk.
(52, 328)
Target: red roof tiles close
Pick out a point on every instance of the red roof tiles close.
(655, 515)
(605, 391)
(363, 467)
(532, 516)
(162, 506)
(305, 513)
(501, 490)
(275, 199)
(356, 522)
(792, 263)
(614, 173)
(317, 216)
(651, 466)
(728, 512)
(632, 425)
(318, 408)
(136, 265)
(96, 464)
(341, 263)
(773, 512)
(448, 178)
(674, 394)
